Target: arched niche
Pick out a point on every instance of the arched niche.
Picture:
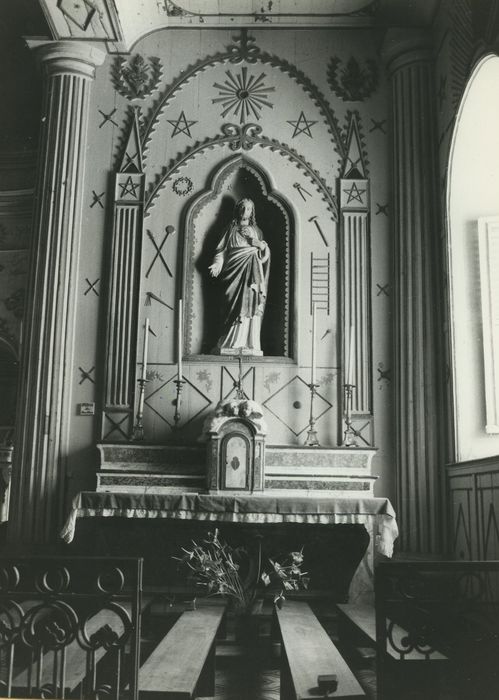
(205, 221)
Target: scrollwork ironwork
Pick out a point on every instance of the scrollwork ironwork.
(55, 609)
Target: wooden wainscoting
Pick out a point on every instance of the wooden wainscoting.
(473, 489)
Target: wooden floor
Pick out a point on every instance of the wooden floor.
(243, 681)
(237, 683)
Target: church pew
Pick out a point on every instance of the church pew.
(182, 665)
(309, 658)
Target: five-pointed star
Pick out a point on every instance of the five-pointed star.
(181, 125)
(129, 187)
(354, 194)
(302, 125)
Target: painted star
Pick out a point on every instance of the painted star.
(302, 125)
(354, 194)
(181, 125)
(129, 188)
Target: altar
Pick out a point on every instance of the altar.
(375, 514)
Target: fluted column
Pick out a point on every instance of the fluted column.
(44, 407)
(418, 433)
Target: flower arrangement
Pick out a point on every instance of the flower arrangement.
(217, 567)
(288, 574)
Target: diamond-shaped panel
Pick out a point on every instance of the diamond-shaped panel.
(162, 401)
(78, 11)
(291, 405)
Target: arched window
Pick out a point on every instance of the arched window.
(473, 194)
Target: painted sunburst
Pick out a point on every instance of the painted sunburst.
(244, 95)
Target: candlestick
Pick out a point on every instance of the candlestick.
(312, 373)
(180, 337)
(145, 349)
(349, 438)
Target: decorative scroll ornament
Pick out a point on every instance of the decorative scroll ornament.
(136, 78)
(354, 84)
(244, 49)
(242, 137)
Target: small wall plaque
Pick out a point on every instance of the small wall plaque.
(86, 409)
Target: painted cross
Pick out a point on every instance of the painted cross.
(91, 286)
(107, 117)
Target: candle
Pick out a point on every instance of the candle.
(312, 376)
(144, 353)
(180, 334)
(351, 353)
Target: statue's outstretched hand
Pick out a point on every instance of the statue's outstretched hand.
(216, 267)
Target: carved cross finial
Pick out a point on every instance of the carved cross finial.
(239, 384)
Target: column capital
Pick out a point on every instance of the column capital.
(67, 57)
(403, 47)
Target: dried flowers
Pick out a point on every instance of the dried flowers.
(216, 566)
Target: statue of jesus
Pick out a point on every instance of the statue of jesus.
(242, 261)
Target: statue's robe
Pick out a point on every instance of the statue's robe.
(244, 273)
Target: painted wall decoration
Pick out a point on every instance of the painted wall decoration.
(137, 77)
(352, 82)
(217, 127)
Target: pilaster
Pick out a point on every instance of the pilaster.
(45, 389)
(417, 418)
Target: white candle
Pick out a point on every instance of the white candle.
(312, 376)
(351, 354)
(144, 352)
(180, 334)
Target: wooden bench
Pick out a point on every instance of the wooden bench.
(307, 653)
(183, 664)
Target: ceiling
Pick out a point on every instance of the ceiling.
(122, 22)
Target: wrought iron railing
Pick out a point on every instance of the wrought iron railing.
(69, 627)
(445, 615)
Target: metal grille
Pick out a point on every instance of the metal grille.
(437, 629)
(69, 627)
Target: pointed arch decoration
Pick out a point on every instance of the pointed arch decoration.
(235, 177)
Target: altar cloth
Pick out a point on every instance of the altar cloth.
(239, 509)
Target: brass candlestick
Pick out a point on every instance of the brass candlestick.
(138, 428)
(312, 440)
(349, 437)
(179, 384)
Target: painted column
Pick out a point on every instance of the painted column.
(418, 432)
(123, 292)
(355, 257)
(44, 408)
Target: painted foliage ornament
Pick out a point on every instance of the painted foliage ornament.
(353, 83)
(136, 78)
(182, 186)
